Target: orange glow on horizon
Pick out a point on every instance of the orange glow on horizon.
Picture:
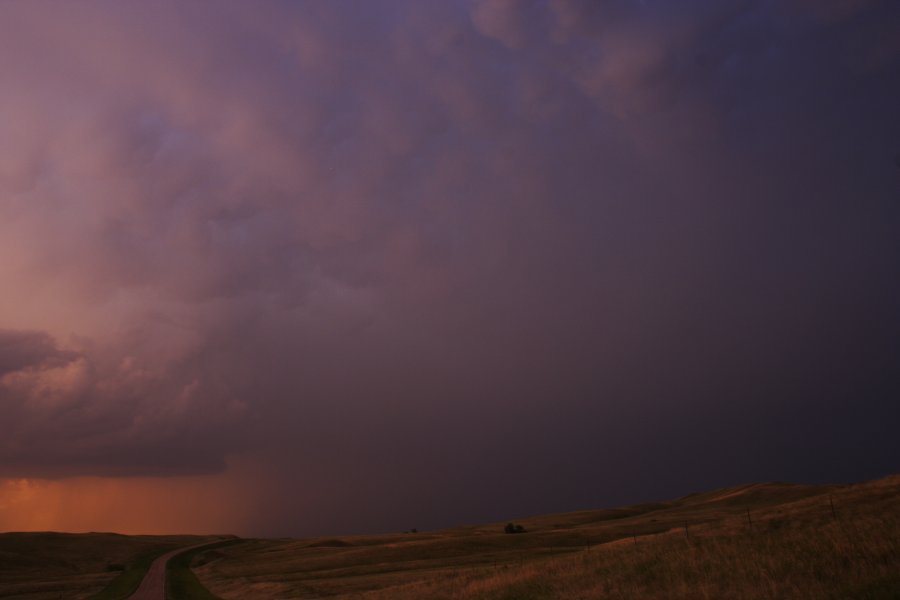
(133, 505)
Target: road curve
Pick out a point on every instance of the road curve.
(153, 587)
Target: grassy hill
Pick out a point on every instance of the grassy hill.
(50, 566)
(768, 540)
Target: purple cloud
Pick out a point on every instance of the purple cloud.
(448, 246)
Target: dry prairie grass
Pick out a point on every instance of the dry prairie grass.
(796, 548)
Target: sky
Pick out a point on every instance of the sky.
(304, 268)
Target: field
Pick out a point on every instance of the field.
(768, 540)
(96, 566)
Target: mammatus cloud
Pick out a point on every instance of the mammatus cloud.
(435, 246)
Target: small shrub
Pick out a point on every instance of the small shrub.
(513, 528)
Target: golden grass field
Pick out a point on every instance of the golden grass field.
(50, 566)
(794, 546)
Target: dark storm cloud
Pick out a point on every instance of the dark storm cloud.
(23, 349)
(73, 412)
(402, 251)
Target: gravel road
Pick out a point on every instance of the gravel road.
(153, 587)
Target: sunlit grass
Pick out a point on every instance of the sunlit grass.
(760, 541)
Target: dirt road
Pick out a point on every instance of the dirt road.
(153, 587)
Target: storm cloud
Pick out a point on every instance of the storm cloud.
(449, 260)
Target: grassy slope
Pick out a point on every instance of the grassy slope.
(49, 566)
(795, 548)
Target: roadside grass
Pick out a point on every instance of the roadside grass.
(181, 583)
(127, 582)
(755, 541)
